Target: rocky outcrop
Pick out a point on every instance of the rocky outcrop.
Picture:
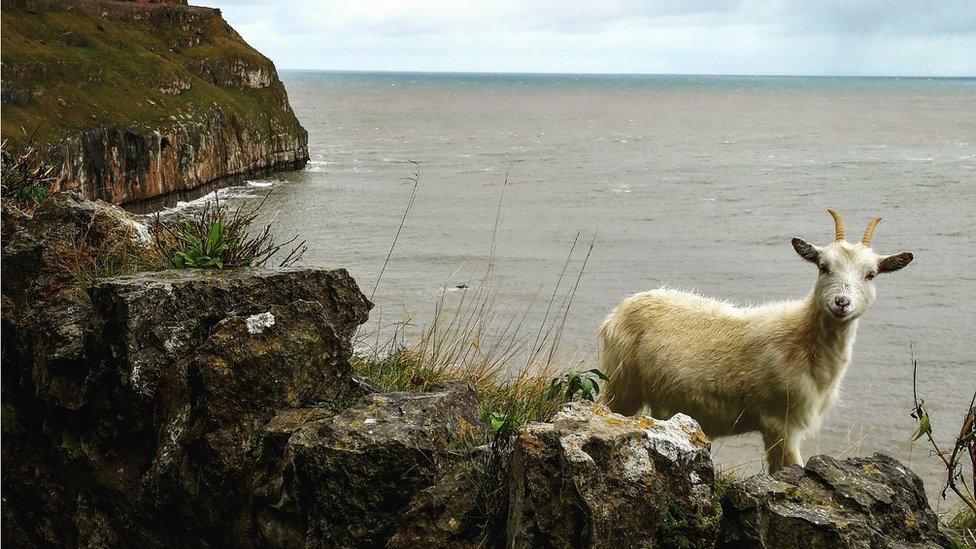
(152, 99)
(858, 502)
(219, 408)
(592, 478)
(139, 411)
(34, 245)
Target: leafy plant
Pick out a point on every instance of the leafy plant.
(496, 421)
(216, 238)
(586, 384)
(202, 253)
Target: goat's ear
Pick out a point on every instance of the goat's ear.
(891, 263)
(806, 250)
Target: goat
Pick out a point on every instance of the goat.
(774, 368)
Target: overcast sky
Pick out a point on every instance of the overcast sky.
(836, 37)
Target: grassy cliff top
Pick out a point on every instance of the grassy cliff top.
(75, 64)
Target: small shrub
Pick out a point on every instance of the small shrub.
(953, 458)
(216, 238)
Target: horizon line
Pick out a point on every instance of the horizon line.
(554, 73)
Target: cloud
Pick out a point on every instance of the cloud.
(668, 36)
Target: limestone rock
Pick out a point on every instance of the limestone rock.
(32, 244)
(592, 478)
(444, 515)
(858, 502)
(361, 468)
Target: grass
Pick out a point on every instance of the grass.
(465, 344)
(86, 261)
(212, 238)
(452, 349)
(963, 524)
(69, 70)
(521, 374)
(724, 478)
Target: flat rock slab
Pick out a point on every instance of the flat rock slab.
(592, 478)
(858, 502)
(158, 318)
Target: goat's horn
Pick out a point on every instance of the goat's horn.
(838, 224)
(869, 232)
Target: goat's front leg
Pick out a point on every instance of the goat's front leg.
(781, 449)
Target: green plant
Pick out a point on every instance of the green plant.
(201, 253)
(496, 421)
(586, 384)
(216, 238)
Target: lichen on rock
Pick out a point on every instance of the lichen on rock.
(592, 478)
(857, 502)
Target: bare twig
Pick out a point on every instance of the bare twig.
(964, 443)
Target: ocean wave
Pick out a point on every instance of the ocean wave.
(239, 191)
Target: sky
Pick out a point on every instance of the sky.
(805, 37)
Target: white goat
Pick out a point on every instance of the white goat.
(775, 368)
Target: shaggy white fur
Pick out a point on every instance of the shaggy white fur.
(775, 368)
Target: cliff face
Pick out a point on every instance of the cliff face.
(150, 99)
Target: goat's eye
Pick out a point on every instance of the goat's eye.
(870, 276)
(824, 269)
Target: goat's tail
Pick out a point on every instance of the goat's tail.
(619, 392)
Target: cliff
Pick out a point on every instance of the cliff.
(151, 99)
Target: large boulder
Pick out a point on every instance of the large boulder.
(858, 502)
(136, 410)
(360, 469)
(258, 339)
(592, 478)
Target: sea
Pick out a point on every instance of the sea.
(565, 193)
